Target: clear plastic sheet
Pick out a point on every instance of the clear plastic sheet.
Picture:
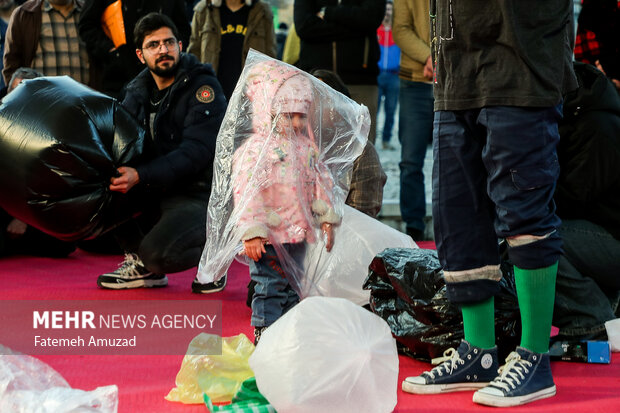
(27, 385)
(277, 175)
(342, 272)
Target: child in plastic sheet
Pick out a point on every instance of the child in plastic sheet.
(285, 148)
(280, 187)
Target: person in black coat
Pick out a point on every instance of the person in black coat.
(180, 103)
(341, 36)
(588, 201)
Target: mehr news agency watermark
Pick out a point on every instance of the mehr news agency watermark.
(88, 320)
(108, 326)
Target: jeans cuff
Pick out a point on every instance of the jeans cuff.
(539, 254)
(468, 292)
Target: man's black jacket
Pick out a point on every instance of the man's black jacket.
(589, 152)
(185, 126)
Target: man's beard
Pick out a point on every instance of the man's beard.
(167, 72)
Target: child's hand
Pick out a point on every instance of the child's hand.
(254, 248)
(328, 230)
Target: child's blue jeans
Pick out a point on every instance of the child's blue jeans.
(273, 295)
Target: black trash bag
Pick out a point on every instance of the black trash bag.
(408, 291)
(60, 143)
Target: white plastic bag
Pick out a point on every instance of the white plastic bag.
(327, 355)
(613, 333)
(27, 385)
(342, 272)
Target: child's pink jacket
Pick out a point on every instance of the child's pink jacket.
(280, 189)
(288, 197)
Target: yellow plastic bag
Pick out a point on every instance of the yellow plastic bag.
(219, 376)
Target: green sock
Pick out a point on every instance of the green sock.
(479, 323)
(536, 293)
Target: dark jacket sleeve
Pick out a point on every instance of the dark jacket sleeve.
(340, 21)
(270, 35)
(18, 47)
(196, 150)
(91, 32)
(13, 50)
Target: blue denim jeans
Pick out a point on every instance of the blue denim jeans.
(494, 176)
(588, 282)
(415, 129)
(273, 294)
(388, 87)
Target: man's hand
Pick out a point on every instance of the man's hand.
(428, 68)
(16, 228)
(254, 248)
(328, 230)
(129, 177)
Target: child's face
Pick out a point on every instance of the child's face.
(292, 122)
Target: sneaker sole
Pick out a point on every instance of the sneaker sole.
(162, 282)
(440, 388)
(499, 401)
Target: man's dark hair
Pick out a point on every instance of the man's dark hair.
(150, 23)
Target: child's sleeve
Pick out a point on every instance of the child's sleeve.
(247, 194)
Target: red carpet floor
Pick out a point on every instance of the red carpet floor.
(143, 381)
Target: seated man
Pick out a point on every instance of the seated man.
(180, 103)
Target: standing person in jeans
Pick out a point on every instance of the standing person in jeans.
(180, 103)
(388, 75)
(501, 69)
(415, 124)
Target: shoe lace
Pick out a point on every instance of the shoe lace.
(512, 372)
(450, 362)
(128, 268)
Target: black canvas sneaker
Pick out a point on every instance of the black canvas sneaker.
(524, 378)
(466, 368)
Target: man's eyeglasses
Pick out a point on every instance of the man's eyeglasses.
(154, 47)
